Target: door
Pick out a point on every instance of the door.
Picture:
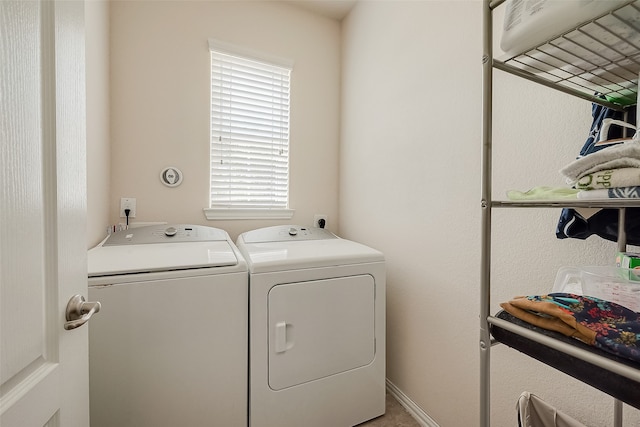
(320, 328)
(43, 367)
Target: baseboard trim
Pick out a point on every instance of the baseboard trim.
(414, 410)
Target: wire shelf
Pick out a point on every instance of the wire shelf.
(599, 56)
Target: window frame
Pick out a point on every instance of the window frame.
(229, 212)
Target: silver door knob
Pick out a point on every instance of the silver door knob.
(79, 311)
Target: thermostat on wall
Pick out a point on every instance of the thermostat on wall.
(171, 176)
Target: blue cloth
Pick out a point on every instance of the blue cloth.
(604, 223)
(599, 113)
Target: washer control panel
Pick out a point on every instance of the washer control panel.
(286, 233)
(179, 233)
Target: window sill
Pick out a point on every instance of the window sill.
(231, 213)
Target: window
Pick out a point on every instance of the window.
(249, 135)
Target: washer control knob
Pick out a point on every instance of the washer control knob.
(293, 231)
(170, 232)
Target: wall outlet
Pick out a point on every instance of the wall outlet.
(320, 221)
(128, 203)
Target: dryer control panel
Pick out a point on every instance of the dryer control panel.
(287, 233)
(178, 233)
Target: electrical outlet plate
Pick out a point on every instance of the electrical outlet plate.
(317, 218)
(128, 203)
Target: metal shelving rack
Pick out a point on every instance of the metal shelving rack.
(578, 62)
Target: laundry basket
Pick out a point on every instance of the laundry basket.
(535, 412)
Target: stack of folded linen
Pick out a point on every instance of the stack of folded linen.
(613, 172)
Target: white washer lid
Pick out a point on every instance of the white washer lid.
(124, 259)
(161, 248)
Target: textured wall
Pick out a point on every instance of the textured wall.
(160, 103)
(412, 108)
(98, 148)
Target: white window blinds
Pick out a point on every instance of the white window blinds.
(249, 132)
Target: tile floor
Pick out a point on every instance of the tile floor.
(395, 416)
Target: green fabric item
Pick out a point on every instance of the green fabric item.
(544, 193)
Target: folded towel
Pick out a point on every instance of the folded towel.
(603, 324)
(611, 193)
(614, 157)
(544, 193)
(610, 178)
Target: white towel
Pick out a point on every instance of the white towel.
(611, 193)
(615, 157)
(609, 178)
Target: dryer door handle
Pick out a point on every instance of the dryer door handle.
(281, 337)
(284, 338)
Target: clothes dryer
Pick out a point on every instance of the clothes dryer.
(170, 345)
(316, 328)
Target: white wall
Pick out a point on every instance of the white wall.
(409, 167)
(98, 149)
(160, 73)
(410, 186)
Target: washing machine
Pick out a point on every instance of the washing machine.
(169, 346)
(316, 328)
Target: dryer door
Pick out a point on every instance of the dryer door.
(320, 328)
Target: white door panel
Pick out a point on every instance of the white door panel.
(43, 368)
(320, 328)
